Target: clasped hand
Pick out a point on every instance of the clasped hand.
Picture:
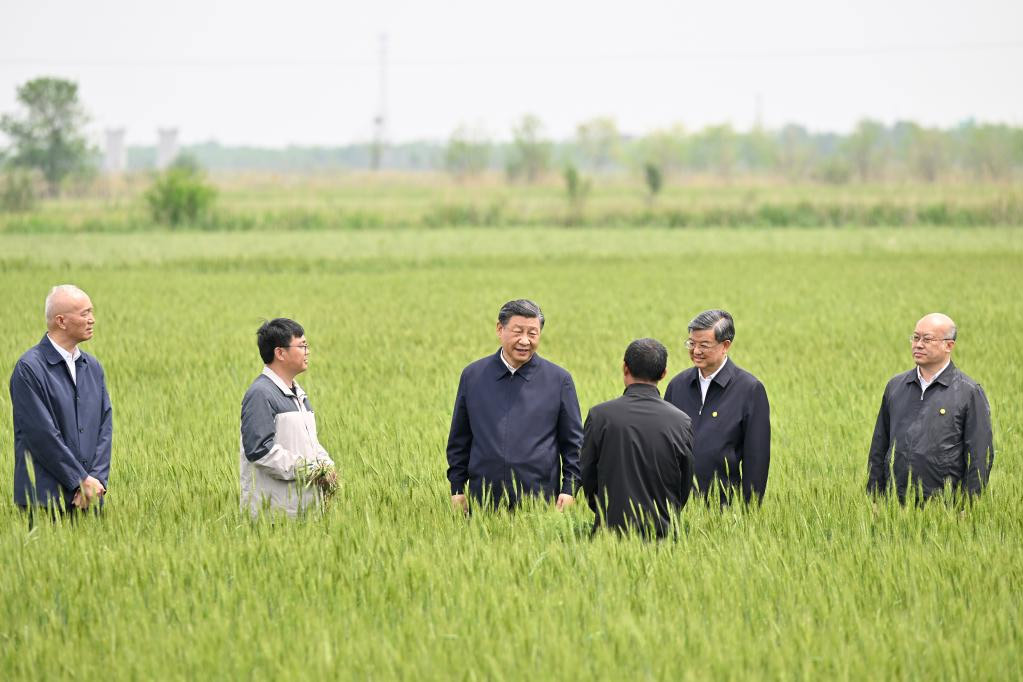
(90, 490)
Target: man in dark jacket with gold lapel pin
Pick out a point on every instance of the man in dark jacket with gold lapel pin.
(730, 412)
(936, 420)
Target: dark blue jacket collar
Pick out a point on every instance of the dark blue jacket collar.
(525, 371)
(51, 354)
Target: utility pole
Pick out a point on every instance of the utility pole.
(380, 120)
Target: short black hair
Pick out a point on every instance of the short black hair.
(522, 307)
(718, 320)
(646, 359)
(277, 333)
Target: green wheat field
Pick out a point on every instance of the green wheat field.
(173, 582)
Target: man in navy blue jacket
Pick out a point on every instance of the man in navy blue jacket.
(62, 416)
(516, 426)
(730, 412)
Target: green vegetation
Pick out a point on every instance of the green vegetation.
(173, 583)
(254, 202)
(48, 135)
(180, 194)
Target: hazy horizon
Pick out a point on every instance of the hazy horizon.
(250, 74)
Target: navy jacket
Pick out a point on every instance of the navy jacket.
(67, 429)
(731, 430)
(514, 433)
(945, 436)
(637, 461)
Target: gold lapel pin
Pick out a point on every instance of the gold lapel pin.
(941, 411)
(714, 414)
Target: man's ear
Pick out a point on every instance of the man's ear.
(664, 373)
(726, 344)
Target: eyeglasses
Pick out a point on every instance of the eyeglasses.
(304, 347)
(916, 338)
(690, 344)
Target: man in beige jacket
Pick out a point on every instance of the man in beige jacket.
(279, 446)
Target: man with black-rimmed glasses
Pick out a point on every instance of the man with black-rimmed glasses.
(279, 445)
(935, 419)
(729, 410)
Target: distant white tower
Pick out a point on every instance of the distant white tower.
(114, 155)
(168, 149)
(380, 120)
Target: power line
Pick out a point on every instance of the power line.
(531, 58)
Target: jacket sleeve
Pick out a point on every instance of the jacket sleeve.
(686, 465)
(101, 462)
(42, 439)
(589, 458)
(756, 446)
(978, 442)
(570, 437)
(880, 449)
(459, 440)
(258, 431)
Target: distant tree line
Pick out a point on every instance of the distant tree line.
(47, 141)
(872, 152)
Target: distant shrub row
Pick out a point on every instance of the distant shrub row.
(1000, 212)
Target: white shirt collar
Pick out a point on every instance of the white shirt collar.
(705, 383)
(298, 393)
(924, 383)
(716, 372)
(69, 358)
(506, 364)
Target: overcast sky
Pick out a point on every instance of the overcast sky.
(304, 72)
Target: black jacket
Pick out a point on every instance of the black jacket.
(731, 431)
(637, 461)
(945, 437)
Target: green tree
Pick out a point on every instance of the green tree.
(530, 154)
(599, 143)
(989, 150)
(866, 149)
(48, 135)
(716, 149)
(467, 153)
(924, 150)
(654, 180)
(664, 148)
(577, 188)
(180, 194)
(796, 152)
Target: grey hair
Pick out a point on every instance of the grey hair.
(718, 320)
(952, 331)
(522, 307)
(69, 289)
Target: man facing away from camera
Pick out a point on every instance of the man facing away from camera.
(279, 445)
(935, 418)
(63, 421)
(730, 412)
(516, 427)
(637, 450)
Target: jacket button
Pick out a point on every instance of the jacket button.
(81, 429)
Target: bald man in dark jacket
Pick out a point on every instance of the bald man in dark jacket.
(637, 450)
